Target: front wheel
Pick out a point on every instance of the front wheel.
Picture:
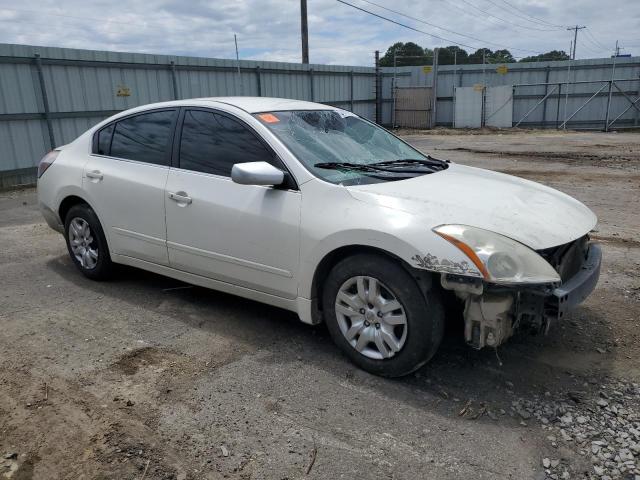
(379, 317)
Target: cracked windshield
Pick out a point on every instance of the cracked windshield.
(340, 147)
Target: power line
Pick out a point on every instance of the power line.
(593, 51)
(495, 21)
(507, 21)
(407, 26)
(523, 17)
(418, 30)
(594, 47)
(445, 29)
(595, 40)
(466, 12)
(529, 15)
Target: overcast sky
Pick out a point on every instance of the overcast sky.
(339, 34)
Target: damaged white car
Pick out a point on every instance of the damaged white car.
(316, 210)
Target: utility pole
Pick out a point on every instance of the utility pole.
(455, 72)
(566, 95)
(611, 84)
(434, 88)
(304, 31)
(235, 39)
(484, 88)
(378, 89)
(484, 59)
(575, 38)
(394, 87)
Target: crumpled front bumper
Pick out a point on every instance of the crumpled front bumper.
(575, 290)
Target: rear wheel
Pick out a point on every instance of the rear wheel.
(86, 243)
(379, 317)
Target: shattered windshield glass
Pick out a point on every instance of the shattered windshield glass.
(340, 147)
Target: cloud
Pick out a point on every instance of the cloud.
(270, 29)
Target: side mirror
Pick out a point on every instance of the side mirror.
(256, 173)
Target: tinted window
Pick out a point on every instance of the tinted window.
(213, 143)
(144, 137)
(104, 140)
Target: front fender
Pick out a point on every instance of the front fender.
(336, 220)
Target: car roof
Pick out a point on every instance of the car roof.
(248, 104)
(267, 104)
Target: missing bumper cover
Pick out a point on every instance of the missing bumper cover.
(492, 313)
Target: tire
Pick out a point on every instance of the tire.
(92, 240)
(418, 338)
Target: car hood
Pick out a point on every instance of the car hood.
(533, 214)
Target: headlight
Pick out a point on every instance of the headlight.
(499, 258)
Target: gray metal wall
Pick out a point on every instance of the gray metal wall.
(81, 88)
(525, 98)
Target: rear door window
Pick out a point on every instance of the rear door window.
(144, 137)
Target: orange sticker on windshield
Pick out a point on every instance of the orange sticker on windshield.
(268, 118)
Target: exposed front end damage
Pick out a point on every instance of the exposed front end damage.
(492, 313)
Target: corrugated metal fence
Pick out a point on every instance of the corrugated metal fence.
(580, 79)
(48, 96)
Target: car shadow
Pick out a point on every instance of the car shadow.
(526, 365)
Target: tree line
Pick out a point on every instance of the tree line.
(413, 54)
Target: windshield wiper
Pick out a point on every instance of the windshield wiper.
(431, 163)
(370, 169)
(346, 166)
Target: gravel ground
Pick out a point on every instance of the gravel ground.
(146, 377)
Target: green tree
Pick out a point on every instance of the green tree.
(491, 57)
(428, 54)
(552, 55)
(407, 54)
(502, 56)
(477, 56)
(413, 54)
(452, 55)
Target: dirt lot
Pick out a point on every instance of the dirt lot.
(145, 377)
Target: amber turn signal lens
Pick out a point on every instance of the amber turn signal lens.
(468, 251)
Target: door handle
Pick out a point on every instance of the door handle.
(180, 197)
(95, 175)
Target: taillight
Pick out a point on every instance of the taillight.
(46, 161)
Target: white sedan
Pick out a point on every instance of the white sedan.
(313, 209)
